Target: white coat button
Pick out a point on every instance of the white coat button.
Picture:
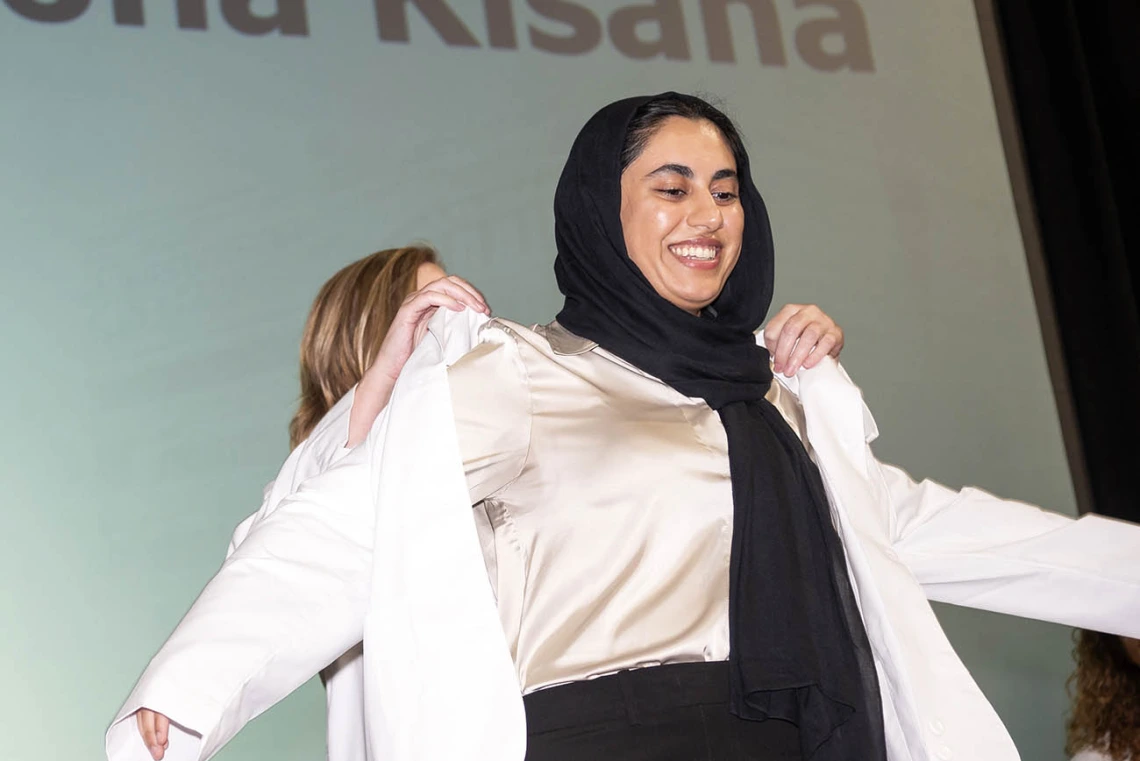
(937, 728)
(945, 754)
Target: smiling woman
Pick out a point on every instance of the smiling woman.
(661, 272)
(690, 557)
(683, 223)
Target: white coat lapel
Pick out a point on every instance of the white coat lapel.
(922, 678)
(836, 400)
(440, 682)
(839, 426)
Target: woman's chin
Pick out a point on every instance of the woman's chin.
(691, 301)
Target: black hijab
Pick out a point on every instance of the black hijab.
(799, 651)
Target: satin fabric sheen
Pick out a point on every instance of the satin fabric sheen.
(606, 505)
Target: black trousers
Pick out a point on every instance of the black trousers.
(662, 713)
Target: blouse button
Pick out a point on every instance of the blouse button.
(937, 727)
(945, 753)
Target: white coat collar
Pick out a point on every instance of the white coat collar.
(831, 376)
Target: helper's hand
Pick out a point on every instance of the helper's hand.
(410, 323)
(799, 336)
(408, 328)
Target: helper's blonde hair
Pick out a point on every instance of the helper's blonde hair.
(346, 325)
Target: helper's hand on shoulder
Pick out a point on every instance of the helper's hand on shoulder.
(799, 336)
(408, 328)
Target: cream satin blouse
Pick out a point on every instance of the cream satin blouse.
(604, 504)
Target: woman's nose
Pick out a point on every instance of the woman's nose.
(706, 213)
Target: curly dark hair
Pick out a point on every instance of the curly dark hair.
(1106, 698)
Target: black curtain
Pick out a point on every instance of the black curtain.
(1074, 76)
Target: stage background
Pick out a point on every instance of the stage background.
(173, 198)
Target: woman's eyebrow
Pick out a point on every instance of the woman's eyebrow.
(680, 169)
(687, 173)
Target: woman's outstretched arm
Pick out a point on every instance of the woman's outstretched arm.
(288, 601)
(968, 547)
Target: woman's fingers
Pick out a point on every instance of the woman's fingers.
(422, 327)
(806, 342)
(836, 344)
(800, 336)
(425, 300)
(821, 349)
(790, 335)
(475, 292)
(147, 721)
(776, 325)
(162, 731)
(459, 289)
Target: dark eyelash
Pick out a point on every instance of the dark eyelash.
(678, 192)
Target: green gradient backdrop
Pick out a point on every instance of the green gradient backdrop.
(173, 199)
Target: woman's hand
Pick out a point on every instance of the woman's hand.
(800, 335)
(408, 328)
(155, 731)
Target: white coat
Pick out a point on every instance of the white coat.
(383, 547)
(344, 678)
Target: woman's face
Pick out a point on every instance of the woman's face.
(681, 213)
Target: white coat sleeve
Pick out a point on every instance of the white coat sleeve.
(269, 502)
(323, 447)
(292, 473)
(973, 549)
(291, 599)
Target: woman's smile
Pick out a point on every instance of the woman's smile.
(698, 253)
(681, 214)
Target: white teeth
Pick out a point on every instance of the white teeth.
(694, 252)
